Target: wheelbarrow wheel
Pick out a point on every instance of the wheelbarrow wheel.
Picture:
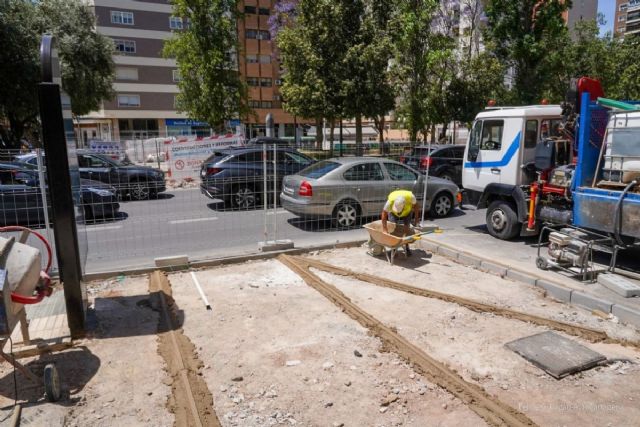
(51, 383)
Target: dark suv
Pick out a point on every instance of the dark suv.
(236, 175)
(138, 182)
(444, 161)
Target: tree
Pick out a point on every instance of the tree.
(19, 69)
(366, 89)
(85, 56)
(623, 82)
(416, 51)
(88, 69)
(211, 88)
(524, 35)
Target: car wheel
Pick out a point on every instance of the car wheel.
(442, 205)
(502, 221)
(346, 214)
(243, 197)
(139, 190)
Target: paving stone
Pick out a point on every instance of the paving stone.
(521, 277)
(619, 285)
(449, 253)
(584, 300)
(493, 268)
(556, 355)
(429, 246)
(469, 260)
(626, 315)
(557, 292)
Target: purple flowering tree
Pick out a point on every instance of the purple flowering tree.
(284, 14)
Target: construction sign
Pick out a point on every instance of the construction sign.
(185, 155)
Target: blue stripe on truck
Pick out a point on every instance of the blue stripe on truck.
(506, 159)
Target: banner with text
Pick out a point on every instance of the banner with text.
(186, 155)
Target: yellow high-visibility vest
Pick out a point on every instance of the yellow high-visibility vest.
(408, 199)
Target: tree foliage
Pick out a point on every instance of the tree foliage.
(527, 36)
(87, 67)
(211, 88)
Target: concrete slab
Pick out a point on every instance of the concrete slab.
(556, 355)
(469, 260)
(521, 277)
(555, 291)
(449, 253)
(626, 315)
(590, 302)
(277, 245)
(619, 285)
(172, 261)
(493, 268)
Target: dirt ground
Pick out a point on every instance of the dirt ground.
(114, 377)
(274, 351)
(296, 351)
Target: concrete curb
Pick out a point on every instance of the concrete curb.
(554, 290)
(238, 259)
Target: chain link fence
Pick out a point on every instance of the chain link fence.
(211, 197)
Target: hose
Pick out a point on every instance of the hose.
(617, 226)
(42, 291)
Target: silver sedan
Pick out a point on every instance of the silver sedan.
(350, 188)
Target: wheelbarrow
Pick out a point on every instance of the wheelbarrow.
(390, 242)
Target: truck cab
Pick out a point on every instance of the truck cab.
(498, 162)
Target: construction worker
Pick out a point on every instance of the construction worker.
(398, 209)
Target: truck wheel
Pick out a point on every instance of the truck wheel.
(502, 221)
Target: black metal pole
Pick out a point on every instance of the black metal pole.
(63, 207)
(341, 141)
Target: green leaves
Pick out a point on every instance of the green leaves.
(211, 88)
(87, 72)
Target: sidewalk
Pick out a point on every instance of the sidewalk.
(516, 259)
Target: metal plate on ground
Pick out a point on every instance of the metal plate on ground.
(556, 355)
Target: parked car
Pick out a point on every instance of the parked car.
(444, 161)
(347, 189)
(21, 198)
(138, 182)
(236, 175)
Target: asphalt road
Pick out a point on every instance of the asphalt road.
(185, 222)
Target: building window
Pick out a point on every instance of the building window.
(254, 104)
(253, 81)
(128, 100)
(264, 11)
(277, 98)
(252, 59)
(258, 34)
(266, 82)
(122, 18)
(175, 23)
(126, 73)
(623, 7)
(621, 18)
(266, 104)
(125, 46)
(278, 82)
(250, 10)
(176, 75)
(632, 16)
(265, 59)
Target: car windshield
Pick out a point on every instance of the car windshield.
(318, 170)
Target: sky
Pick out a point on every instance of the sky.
(607, 7)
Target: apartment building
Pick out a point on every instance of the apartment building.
(627, 17)
(581, 10)
(146, 83)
